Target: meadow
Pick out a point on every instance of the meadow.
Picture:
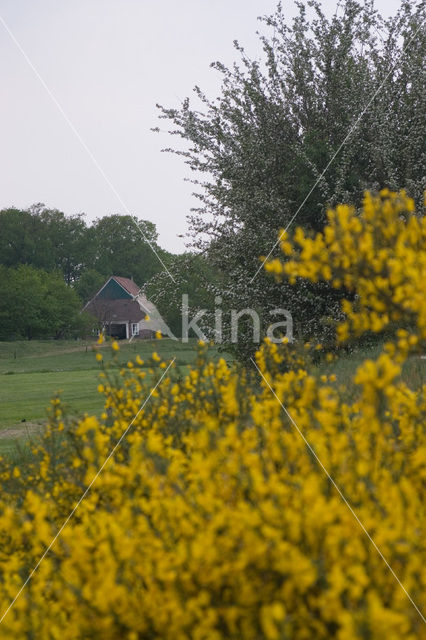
(32, 372)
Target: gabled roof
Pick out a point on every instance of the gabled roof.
(136, 308)
(130, 286)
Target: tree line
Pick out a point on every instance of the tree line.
(51, 264)
(332, 107)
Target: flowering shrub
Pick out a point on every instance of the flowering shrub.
(214, 519)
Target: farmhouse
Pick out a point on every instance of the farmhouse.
(123, 312)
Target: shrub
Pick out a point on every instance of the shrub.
(213, 518)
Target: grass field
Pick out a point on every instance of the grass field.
(32, 372)
(344, 368)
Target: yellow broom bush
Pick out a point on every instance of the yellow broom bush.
(214, 519)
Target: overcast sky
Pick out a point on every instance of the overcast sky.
(108, 62)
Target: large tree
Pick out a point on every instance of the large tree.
(35, 303)
(45, 239)
(69, 242)
(274, 136)
(48, 239)
(124, 246)
(88, 284)
(23, 240)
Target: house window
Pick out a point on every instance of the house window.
(135, 329)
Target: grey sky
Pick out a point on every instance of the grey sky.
(108, 62)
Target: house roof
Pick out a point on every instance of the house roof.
(130, 286)
(136, 308)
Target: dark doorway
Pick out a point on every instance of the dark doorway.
(117, 331)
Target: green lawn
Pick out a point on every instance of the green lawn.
(45, 356)
(344, 368)
(24, 396)
(32, 372)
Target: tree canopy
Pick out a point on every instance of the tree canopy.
(48, 239)
(36, 304)
(122, 245)
(50, 264)
(270, 145)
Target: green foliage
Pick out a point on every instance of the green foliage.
(122, 247)
(194, 276)
(258, 149)
(85, 255)
(34, 303)
(88, 284)
(45, 239)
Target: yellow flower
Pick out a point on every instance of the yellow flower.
(213, 520)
